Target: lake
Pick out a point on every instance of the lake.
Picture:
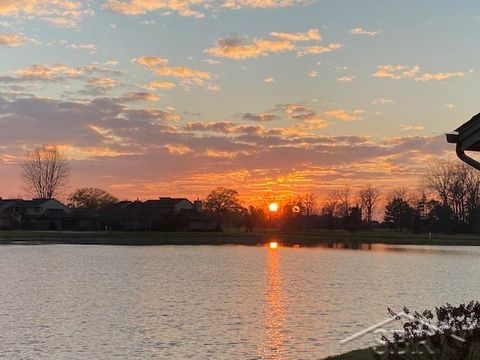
(215, 302)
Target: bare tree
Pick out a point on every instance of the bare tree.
(457, 186)
(92, 198)
(368, 197)
(45, 170)
(344, 201)
(331, 203)
(309, 204)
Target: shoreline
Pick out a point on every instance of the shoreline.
(327, 238)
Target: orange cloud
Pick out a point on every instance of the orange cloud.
(345, 115)
(319, 49)
(177, 149)
(65, 13)
(44, 72)
(312, 34)
(439, 76)
(403, 71)
(238, 48)
(192, 8)
(102, 82)
(12, 40)
(188, 76)
(396, 71)
(160, 85)
(137, 7)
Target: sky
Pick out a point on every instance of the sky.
(272, 98)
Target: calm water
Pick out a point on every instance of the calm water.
(206, 302)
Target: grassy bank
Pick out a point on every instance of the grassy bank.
(313, 238)
(363, 354)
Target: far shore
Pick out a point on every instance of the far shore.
(333, 238)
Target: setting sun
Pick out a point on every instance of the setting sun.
(273, 245)
(273, 207)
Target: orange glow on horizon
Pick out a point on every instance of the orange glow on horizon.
(273, 245)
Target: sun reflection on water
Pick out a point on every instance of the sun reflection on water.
(273, 343)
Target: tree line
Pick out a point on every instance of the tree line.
(446, 200)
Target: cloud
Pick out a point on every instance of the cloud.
(92, 48)
(12, 40)
(45, 72)
(237, 47)
(63, 13)
(102, 82)
(404, 71)
(262, 117)
(312, 34)
(345, 115)
(56, 72)
(439, 76)
(346, 79)
(382, 101)
(116, 146)
(362, 31)
(192, 8)
(305, 117)
(187, 76)
(319, 49)
(411, 127)
(396, 71)
(178, 149)
(138, 97)
(160, 85)
(138, 7)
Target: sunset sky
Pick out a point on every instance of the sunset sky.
(156, 98)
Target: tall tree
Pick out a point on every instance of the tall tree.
(368, 197)
(458, 187)
(222, 203)
(45, 171)
(398, 214)
(309, 204)
(92, 198)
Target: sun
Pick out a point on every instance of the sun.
(273, 207)
(273, 245)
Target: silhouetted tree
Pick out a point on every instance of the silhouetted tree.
(308, 204)
(368, 196)
(353, 222)
(252, 217)
(45, 170)
(457, 185)
(223, 203)
(93, 198)
(398, 214)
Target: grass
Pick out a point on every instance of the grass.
(261, 236)
(362, 354)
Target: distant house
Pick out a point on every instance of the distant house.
(162, 214)
(36, 214)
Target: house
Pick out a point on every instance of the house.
(36, 214)
(162, 214)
